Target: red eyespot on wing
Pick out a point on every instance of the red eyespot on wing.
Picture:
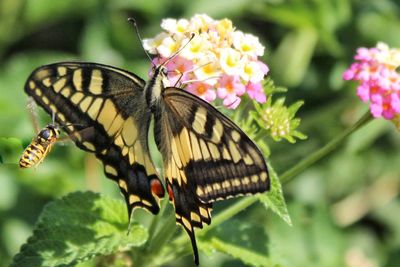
(157, 188)
(170, 192)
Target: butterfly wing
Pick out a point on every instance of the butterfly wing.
(206, 158)
(104, 111)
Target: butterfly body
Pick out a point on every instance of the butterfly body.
(40, 146)
(206, 157)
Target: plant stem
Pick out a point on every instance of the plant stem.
(322, 152)
(291, 173)
(163, 234)
(156, 219)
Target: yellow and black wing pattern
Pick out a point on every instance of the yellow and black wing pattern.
(206, 158)
(107, 111)
(102, 109)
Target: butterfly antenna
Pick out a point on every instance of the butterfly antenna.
(133, 21)
(192, 35)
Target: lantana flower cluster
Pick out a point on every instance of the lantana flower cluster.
(376, 70)
(279, 120)
(219, 62)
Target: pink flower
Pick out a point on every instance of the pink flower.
(256, 91)
(202, 90)
(180, 70)
(230, 88)
(231, 101)
(375, 70)
(365, 54)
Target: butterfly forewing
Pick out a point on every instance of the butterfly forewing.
(108, 101)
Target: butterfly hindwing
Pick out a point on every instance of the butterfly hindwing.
(109, 103)
(220, 158)
(206, 158)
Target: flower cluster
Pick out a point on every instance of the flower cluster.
(279, 120)
(375, 69)
(218, 62)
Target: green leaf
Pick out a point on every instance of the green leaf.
(247, 244)
(78, 227)
(275, 199)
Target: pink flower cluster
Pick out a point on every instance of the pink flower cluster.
(375, 69)
(219, 62)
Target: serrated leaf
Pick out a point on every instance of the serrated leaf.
(247, 244)
(78, 227)
(275, 199)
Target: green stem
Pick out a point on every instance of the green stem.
(160, 238)
(156, 236)
(291, 173)
(325, 150)
(155, 221)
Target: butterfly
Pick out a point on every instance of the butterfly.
(206, 156)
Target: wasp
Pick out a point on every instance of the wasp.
(40, 146)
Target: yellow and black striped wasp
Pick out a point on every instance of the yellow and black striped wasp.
(41, 144)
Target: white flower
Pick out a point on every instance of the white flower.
(196, 48)
(252, 72)
(200, 23)
(152, 44)
(208, 70)
(248, 44)
(168, 47)
(231, 61)
(386, 55)
(175, 26)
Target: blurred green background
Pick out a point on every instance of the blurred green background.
(345, 209)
